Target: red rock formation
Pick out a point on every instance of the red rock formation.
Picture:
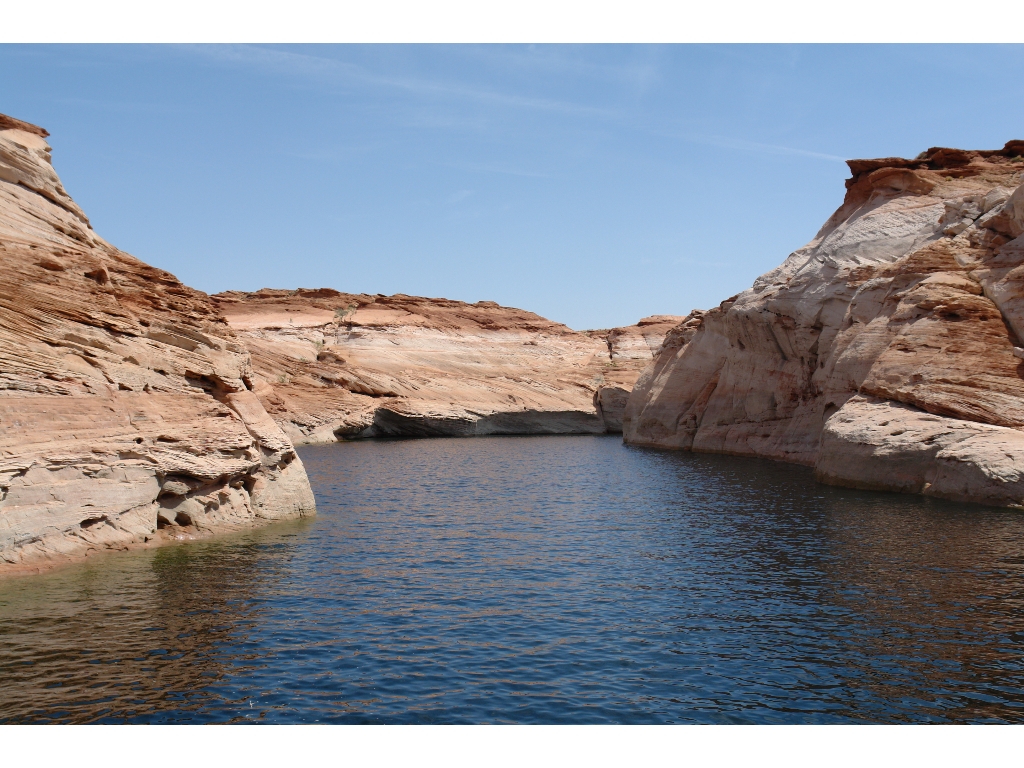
(886, 353)
(330, 365)
(124, 402)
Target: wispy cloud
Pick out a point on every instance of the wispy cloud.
(750, 146)
(459, 196)
(322, 67)
(574, 60)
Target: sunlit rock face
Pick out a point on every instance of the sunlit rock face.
(126, 410)
(886, 352)
(331, 365)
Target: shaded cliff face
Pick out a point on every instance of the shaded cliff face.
(332, 365)
(885, 353)
(630, 350)
(125, 412)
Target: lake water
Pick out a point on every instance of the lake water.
(540, 580)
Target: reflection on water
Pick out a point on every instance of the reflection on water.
(541, 579)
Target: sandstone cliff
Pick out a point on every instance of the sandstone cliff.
(332, 365)
(886, 352)
(126, 410)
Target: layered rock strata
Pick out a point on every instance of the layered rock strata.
(126, 409)
(331, 365)
(886, 353)
(630, 350)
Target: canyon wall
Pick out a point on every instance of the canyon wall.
(330, 365)
(126, 410)
(886, 353)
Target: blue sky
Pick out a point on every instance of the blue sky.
(591, 184)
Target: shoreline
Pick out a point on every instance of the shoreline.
(164, 537)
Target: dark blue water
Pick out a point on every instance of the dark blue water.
(540, 580)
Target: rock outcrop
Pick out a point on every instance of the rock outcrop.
(886, 352)
(630, 350)
(126, 410)
(331, 365)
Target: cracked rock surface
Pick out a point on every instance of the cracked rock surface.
(126, 410)
(886, 353)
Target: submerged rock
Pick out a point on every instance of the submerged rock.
(126, 414)
(886, 352)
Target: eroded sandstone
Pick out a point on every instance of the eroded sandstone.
(886, 352)
(126, 410)
(331, 365)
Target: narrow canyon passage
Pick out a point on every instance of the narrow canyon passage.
(540, 579)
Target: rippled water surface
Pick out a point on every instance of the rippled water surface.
(545, 579)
